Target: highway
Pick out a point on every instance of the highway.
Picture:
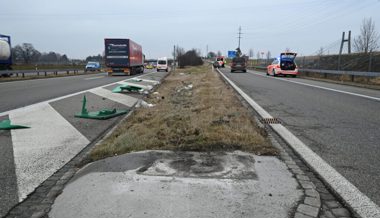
(30, 156)
(26, 92)
(339, 123)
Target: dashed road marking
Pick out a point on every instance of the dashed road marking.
(117, 97)
(96, 77)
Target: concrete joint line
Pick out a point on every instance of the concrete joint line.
(356, 200)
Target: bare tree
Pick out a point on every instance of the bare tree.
(178, 51)
(269, 55)
(238, 52)
(211, 54)
(321, 51)
(26, 53)
(368, 40)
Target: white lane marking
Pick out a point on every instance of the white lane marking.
(96, 77)
(44, 148)
(321, 87)
(62, 97)
(146, 80)
(147, 87)
(359, 202)
(117, 97)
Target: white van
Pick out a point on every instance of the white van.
(162, 64)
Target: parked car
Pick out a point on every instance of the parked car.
(283, 65)
(216, 64)
(92, 66)
(239, 64)
(149, 66)
(221, 60)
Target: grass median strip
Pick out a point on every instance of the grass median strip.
(194, 110)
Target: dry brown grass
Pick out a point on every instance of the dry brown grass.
(207, 117)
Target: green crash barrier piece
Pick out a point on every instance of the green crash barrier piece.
(126, 87)
(6, 124)
(99, 115)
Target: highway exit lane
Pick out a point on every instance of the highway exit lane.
(343, 129)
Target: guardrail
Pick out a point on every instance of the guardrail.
(352, 74)
(341, 72)
(44, 72)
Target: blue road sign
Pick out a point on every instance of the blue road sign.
(231, 54)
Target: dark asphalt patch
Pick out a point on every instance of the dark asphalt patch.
(185, 164)
(90, 128)
(8, 178)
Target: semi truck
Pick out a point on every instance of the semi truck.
(123, 57)
(5, 55)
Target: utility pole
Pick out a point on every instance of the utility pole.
(239, 33)
(174, 59)
(348, 40)
(206, 51)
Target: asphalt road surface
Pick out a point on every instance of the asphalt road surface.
(26, 92)
(340, 123)
(30, 156)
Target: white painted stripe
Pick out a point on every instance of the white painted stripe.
(44, 148)
(62, 97)
(117, 97)
(148, 87)
(146, 80)
(321, 87)
(352, 196)
(96, 77)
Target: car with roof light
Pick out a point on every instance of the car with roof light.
(283, 65)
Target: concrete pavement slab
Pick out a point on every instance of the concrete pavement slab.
(180, 184)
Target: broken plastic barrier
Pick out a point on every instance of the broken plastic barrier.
(6, 125)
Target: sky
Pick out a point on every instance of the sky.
(77, 28)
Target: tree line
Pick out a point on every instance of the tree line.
(25, 53)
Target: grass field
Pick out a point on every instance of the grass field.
(194, 111)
